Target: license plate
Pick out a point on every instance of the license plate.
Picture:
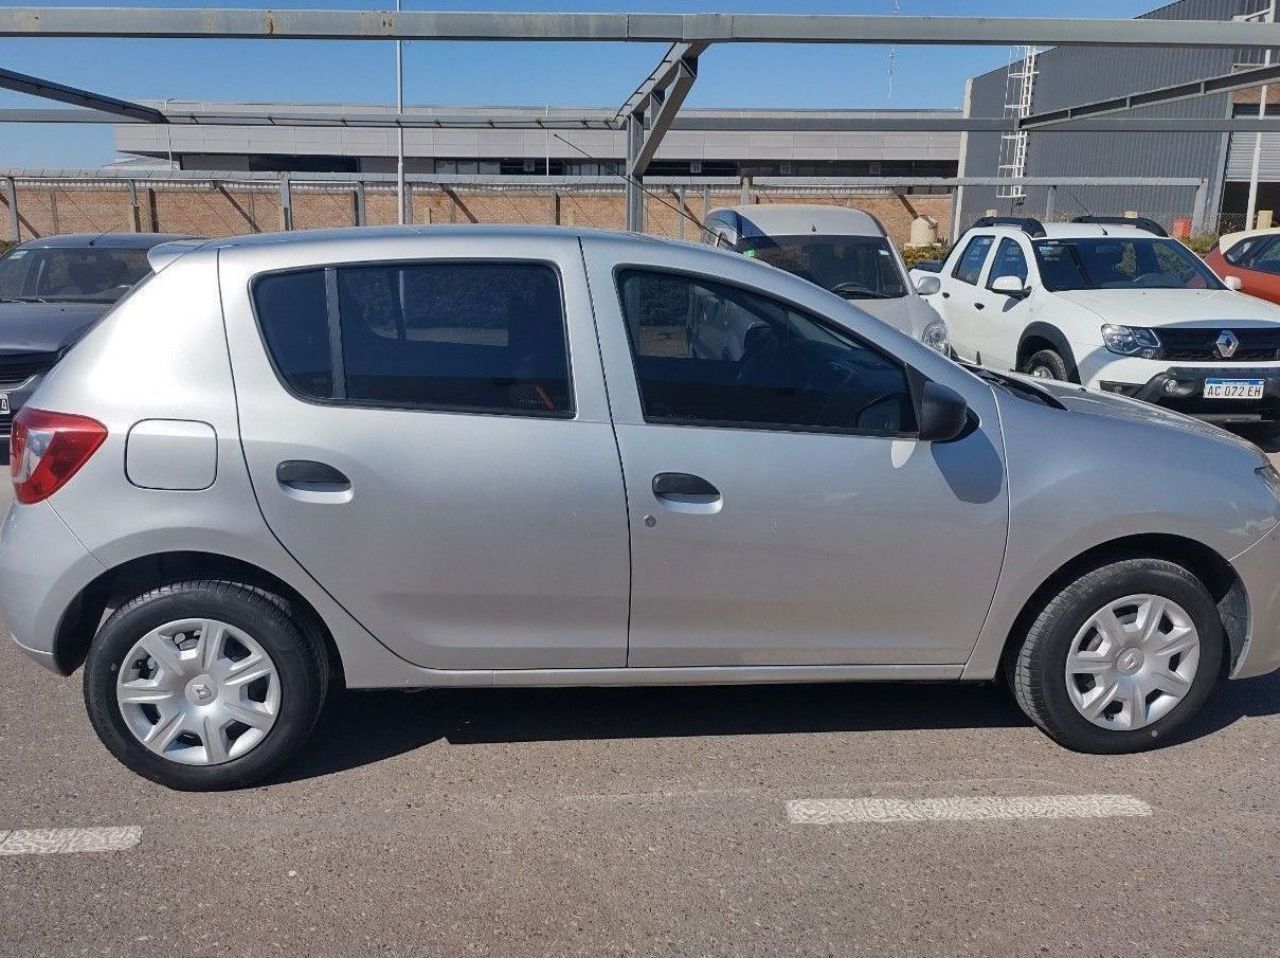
(1233, 389)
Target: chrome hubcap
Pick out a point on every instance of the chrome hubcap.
(1132, 662)
(198, 692)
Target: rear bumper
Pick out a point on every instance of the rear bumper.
(43, 568)
(1181, 389)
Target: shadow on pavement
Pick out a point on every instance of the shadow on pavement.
(364, 727)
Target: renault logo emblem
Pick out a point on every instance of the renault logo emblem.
(1227, 344)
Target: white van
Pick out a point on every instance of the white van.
(840, 249)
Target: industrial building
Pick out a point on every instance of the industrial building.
(1038, 82)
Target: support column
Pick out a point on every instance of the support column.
(135, 212)
(1200, 209)
(11, 198)
(286, 205)
(1050, 204)
(635, 192)
(362, 213)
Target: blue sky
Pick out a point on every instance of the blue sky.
(509, 74)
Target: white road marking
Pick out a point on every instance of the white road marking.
(840, 811)
(65, 841)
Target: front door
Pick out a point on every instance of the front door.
(432, 444)
(781, 511)
(998, 318)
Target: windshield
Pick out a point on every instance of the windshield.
(1120, 263)
(856, 267)
(71, 275)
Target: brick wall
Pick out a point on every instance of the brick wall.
(226, 210)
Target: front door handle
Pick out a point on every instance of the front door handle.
(310, 481)
(684, 492)
(979, 305)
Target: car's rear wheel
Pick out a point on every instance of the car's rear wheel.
(204, 685)
(1046, 364)
(1121, 657)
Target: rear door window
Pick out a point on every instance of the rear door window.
(969, 267)
(466, 336)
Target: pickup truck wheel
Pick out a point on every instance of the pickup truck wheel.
(204, 685)
(1046, 364)
(1120, 658)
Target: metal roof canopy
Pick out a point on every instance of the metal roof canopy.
(651, 110)
(626, 27)
(793, 124)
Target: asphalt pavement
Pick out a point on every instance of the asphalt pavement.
(810, 820)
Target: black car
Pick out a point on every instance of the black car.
(51, 291)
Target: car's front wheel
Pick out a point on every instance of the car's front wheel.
(1046, 364)
(1121, 657)
(204, 685)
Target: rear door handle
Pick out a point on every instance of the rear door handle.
(684, 492)
(979, 305)
(311, 481)
(945, 294)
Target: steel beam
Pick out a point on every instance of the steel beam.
(23, 83)
(662, 76)
(1223, 83)
(799, 123)
(635, 190)
(47, 21)
(664, 103)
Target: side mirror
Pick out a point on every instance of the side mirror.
(943, 413)
(1009, 286)
(928, 285)
(1233, 283)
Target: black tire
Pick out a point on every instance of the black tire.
(301, 664)
(1038, 672)
(1048, 360)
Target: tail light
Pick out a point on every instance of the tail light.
(47, 448)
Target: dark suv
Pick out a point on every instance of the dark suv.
(51, 291)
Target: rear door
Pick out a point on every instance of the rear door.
(961, 298)
(998, 318)
(427, 433)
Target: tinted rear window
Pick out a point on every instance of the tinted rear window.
(467, 336)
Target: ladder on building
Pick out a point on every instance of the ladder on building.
(1019, 89)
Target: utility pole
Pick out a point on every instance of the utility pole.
(400, 197)
(1251, 215)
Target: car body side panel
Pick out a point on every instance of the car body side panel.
(467, 540)
(829, 549)
(1062, 503)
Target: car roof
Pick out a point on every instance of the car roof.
(796, 219)
(1228, 240)
(1072, 231)
(104, 240)
(349, 233)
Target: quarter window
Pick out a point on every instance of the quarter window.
(486, 337)
(707, 353)
(969, 268)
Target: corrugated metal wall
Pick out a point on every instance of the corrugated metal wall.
(1074, 75)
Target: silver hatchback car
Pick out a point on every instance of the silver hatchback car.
(495, 457)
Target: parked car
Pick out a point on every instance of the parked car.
(51, 290)
(846, 251)
(1113, 304)
(1249, 261)
(478, 456)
